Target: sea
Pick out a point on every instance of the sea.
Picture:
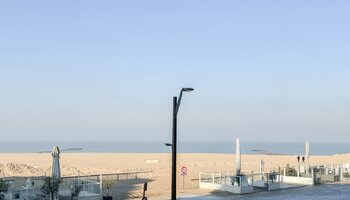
(222, 147)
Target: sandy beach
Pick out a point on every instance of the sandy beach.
(38, 164)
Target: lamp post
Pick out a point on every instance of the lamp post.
(176, 105)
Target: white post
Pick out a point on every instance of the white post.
(101, 186)
(341, 174)
(240, 182)
(262, 169)
(238, 157)
(279, 174)
(332, 169)
(307, 156)
(199, 180)
(298, 173)
(212, 176)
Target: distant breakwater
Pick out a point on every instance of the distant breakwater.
(226, 147)
(64, 150)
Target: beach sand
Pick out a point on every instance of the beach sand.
(37, 164)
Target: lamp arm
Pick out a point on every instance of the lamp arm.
(178, 102)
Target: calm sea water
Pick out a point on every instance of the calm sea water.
(183, 147)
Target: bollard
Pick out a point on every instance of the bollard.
(144, 191)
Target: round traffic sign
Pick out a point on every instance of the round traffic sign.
(183, 170)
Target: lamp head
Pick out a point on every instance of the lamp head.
(168, 144)
(187, 89)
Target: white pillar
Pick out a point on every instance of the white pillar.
(341, 174)
(307, 156)
(262, 163)
(212, 176)
(238, 157)
(101, 186)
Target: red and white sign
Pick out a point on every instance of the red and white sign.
(183, 171)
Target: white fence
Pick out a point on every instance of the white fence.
(233, 184)
(20, 189)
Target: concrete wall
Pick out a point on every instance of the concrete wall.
(345, 179)
(226, 188)
(329, 178)
(259, 183)
(297, 180)
(247, 189)
(274, 186)
(216, 186)
(270, 186)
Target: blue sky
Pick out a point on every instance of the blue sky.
(93, 70)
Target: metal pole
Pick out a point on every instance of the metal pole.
(183, 182)
(174, 151)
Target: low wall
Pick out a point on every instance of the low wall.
(297, 180)
(329, 178)
(274, 186)
(345, 179)
(247, 189)
(226, 188)
(267, 186)
(259, 183)
(216, 186)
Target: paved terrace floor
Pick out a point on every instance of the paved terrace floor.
(320, 192)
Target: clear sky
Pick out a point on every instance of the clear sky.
(107, 70)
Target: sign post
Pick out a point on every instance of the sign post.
(183, 174)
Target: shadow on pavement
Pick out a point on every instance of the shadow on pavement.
(127, 189)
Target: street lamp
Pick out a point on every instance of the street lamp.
(176, 106)
(168, 144)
